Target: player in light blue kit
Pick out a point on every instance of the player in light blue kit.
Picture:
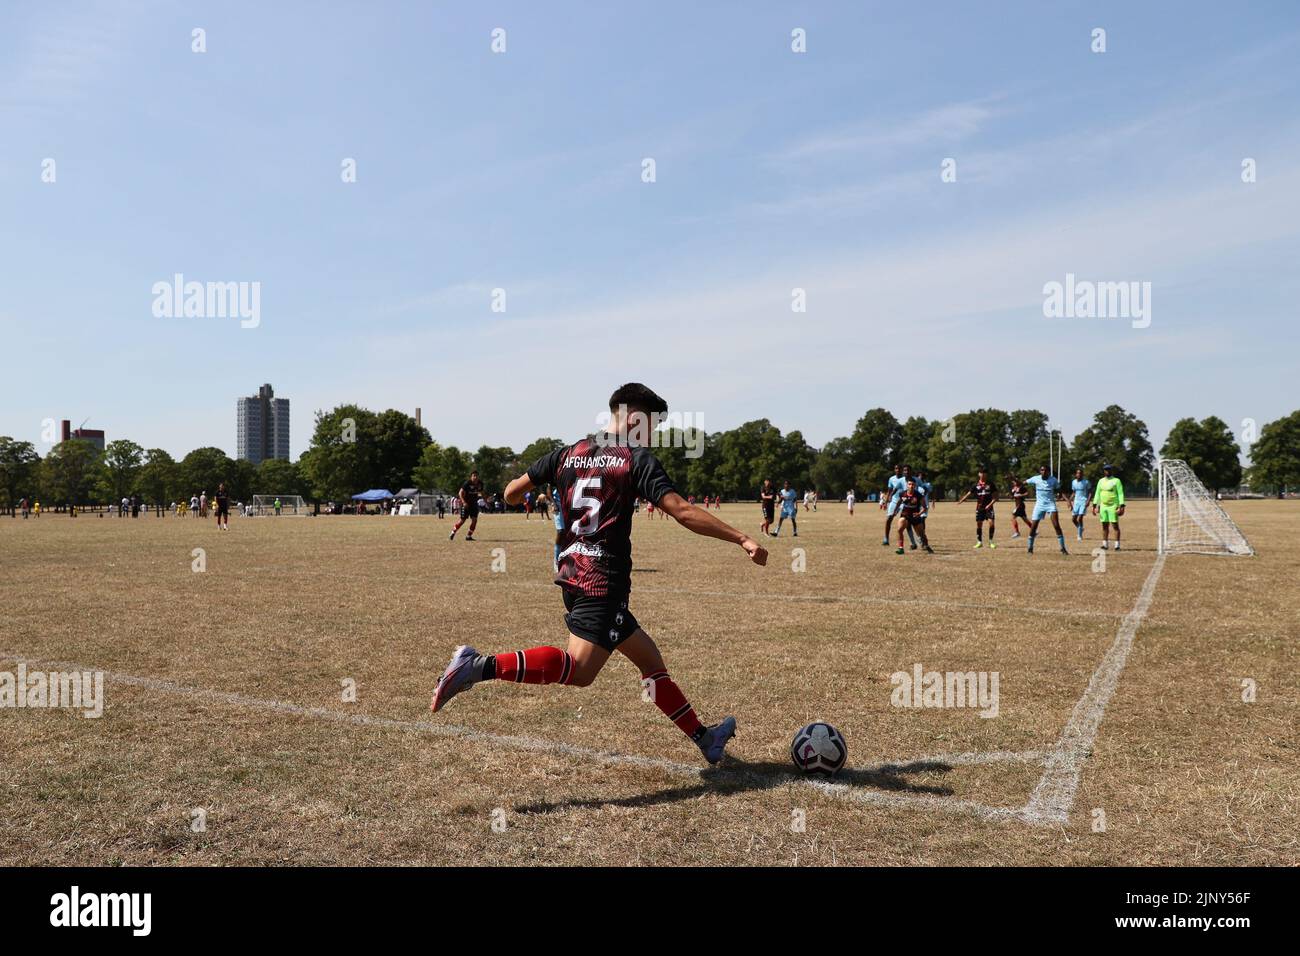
(1047, 488)
(894, 489)
(789, 509)
(1082, 489)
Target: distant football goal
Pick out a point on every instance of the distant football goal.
(1189, 518)
(273, 505)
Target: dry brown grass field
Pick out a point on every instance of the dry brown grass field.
(224, 697)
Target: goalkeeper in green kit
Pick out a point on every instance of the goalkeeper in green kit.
(1108, 505)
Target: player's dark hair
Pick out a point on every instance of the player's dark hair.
(637, 396)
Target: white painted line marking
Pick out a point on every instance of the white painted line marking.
(830, 788)
(1053, 797)
(1050, 802)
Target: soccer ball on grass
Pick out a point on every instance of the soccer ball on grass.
(819, 749)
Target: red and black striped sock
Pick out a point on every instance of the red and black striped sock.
(537, 665)
(669, 698)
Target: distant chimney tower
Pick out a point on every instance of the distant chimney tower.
(417, 415)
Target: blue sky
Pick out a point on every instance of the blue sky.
(522, 171)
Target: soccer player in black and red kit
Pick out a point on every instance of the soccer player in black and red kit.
(913, 506)
(469, 495)
(598, 480)
(986, 496)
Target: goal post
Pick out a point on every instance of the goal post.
(1188, 518)
(289, 505)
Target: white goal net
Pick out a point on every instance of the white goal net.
(279, 505)
(1190, 520)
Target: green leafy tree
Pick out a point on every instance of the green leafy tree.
(538, 448)
(72, 471)
(275, 476)
(203, 469)
(158, 478)
(399, 442)
(1275, 456)
(20, 467)
(1120, 439)
(1209, 448)
(877, 444)
(701, 464)
(493, 466)
(243, 479)
(123, 460)
(342, 458)
(1028, 442)
(749, 454)
(442, 469)
(914, 443)
(795, 460)
(973, 440)
(832, 472)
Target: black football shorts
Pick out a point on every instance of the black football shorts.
(604, 621)
(984, 514)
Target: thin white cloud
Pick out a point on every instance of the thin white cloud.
(873, 316)
(946, 124)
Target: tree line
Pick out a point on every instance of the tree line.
(353, 449)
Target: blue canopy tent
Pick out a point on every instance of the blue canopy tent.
(373, 495)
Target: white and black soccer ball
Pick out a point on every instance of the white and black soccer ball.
(819, 749)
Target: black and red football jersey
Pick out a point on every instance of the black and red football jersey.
(598, 485)
(983, 492)
(911, 502)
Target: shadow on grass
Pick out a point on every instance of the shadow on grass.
(742, 776)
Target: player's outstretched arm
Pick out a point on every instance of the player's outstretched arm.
(516, 490)
(701, 522)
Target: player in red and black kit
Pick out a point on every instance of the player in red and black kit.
(1019, 492)
(469, 495)
(598, 480)
(223, 508)
(767, 498)
(913, 505)
(985, 494)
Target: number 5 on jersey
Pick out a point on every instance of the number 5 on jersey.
(590, 520)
